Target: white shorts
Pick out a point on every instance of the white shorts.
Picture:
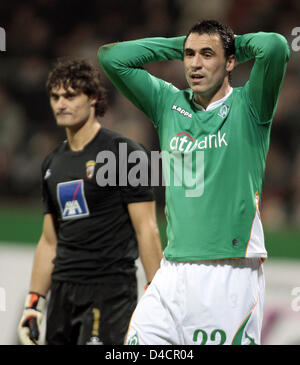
(211, 302)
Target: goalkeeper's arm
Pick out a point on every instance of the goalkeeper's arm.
(29, 326)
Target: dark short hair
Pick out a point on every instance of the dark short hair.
(214, 27)
(82, 76)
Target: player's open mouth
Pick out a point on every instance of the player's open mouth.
(196, 77)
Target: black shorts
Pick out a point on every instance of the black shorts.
(96, 314)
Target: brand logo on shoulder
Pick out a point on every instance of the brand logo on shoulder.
(47, 174)
(71, 199)
(181, 111)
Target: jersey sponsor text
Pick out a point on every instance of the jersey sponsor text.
(186, 143)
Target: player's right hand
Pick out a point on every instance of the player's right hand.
(29, 326)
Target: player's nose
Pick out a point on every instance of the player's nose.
(196, 62)
(61, 103)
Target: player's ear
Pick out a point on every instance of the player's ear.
(230, 63)
(93, 100)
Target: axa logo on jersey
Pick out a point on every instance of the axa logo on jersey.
(71, 199)
(183, 142)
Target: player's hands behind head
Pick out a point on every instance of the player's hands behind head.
(29, 326)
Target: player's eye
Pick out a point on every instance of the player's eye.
(189, 53)
(70, 96)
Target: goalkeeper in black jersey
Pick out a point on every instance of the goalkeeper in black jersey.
(92, 232)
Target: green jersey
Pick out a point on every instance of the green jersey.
(214, 159)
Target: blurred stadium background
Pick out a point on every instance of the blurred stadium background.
(39, 31)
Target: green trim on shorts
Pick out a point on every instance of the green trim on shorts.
(237, 340)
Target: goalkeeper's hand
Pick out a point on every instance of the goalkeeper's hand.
(29, 326)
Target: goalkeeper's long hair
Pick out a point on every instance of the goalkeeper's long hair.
(214, 27)
(82, 76)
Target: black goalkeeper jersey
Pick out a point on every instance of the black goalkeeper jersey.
(96, 238)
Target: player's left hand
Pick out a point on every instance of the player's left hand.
(29, 326)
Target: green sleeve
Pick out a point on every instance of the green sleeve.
(271, 53)
(123, 64)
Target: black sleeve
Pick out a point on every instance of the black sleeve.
(48, 206)
(134, 171)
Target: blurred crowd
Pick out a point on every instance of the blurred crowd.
(40, 31)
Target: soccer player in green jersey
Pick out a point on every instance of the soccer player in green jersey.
(214, 141)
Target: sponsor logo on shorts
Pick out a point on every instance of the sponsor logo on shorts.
(71, 199)
(133, 340)
(94, 340)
